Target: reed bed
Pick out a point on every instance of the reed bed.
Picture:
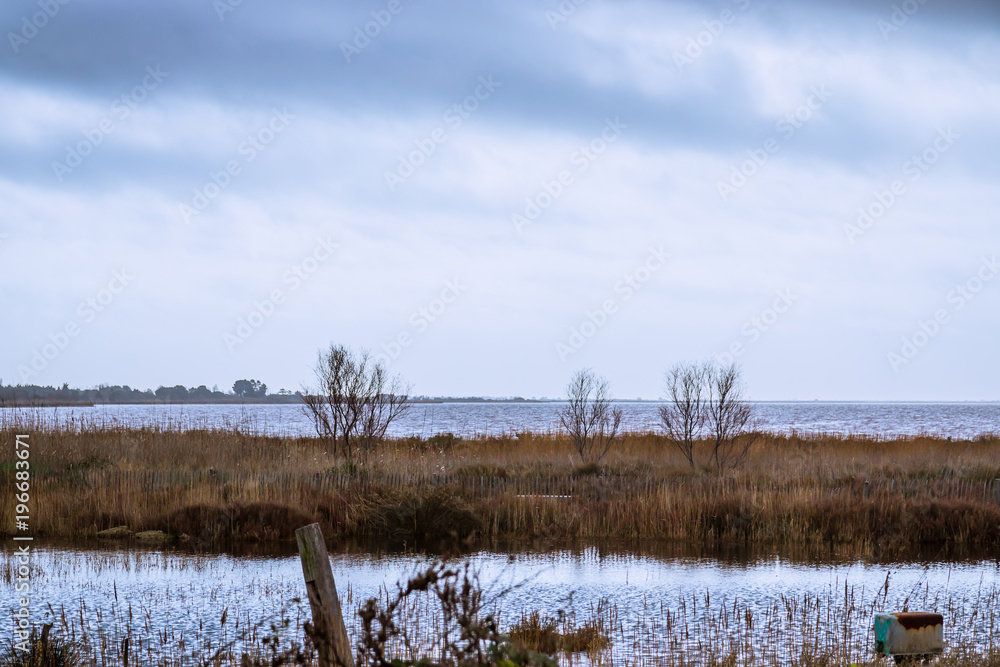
(828, 629)
(853, 494)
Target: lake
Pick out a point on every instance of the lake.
(958, 420)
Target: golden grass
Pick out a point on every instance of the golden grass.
(551, 635)
(793, 490)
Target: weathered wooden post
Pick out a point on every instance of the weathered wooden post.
(332, 642)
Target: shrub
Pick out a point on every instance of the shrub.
(443, 442)
(470, 637)
(542, 633)
(43, 651)
(440, 513)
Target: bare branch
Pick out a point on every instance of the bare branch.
(589, 418)
(355, 401)
(730, 417)
(683, 417)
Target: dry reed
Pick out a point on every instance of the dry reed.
(857, 494)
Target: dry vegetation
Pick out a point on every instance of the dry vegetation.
(554, 634)
(850, 494)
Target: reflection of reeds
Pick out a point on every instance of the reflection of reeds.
(832, 629)
(849, 494)
(96, 637)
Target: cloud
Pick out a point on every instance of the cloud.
(690, 123)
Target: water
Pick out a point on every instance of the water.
(959, 420)
(173, 594)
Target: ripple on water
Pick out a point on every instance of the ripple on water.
(176, 595)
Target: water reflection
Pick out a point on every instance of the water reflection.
(186, 591)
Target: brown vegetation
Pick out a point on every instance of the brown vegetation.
(859, 494)
(551, 635)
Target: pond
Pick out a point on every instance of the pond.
(652, 604)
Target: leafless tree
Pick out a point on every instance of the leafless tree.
(354, 401)
(589, 418)
(684, 415)
(730, 417)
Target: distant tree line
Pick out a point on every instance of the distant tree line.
(249, 389)
(242, 391)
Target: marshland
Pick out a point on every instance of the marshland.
(840, 494)
(450, 303)
(782, 559)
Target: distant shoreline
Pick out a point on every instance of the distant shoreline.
(269, 400)
(235, 400)
(295, 399)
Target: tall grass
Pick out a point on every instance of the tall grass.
(857, 494)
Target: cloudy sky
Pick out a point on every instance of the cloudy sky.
(492, 195)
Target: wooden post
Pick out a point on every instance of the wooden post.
(996, 490)
(333, 645)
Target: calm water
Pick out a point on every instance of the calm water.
(958, 420)
(181, 594)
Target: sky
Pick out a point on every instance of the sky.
(490, 196)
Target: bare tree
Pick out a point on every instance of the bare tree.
(730, 417)
(354, 402)
(589, 418)
(683, 417)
